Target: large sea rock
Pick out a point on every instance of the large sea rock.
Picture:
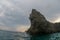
(39, 24)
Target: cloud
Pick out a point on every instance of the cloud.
(57, 20)
(22, 28)
(19, 28)
(12, 17)
(2, 14)
(7, 28)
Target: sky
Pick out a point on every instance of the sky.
(14, 14)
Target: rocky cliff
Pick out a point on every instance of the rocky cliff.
(39, 24)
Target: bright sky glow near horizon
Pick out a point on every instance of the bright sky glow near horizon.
(14, 14)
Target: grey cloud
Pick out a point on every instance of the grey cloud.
(13, 18)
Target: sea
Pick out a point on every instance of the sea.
(10, 35)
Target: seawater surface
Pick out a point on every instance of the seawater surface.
(8, 35)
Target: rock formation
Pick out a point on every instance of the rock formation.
(39, 24)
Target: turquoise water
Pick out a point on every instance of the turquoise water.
(8, 35)
(55, 36)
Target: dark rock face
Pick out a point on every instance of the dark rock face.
(39, 24)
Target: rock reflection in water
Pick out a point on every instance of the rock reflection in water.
(55, 36)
